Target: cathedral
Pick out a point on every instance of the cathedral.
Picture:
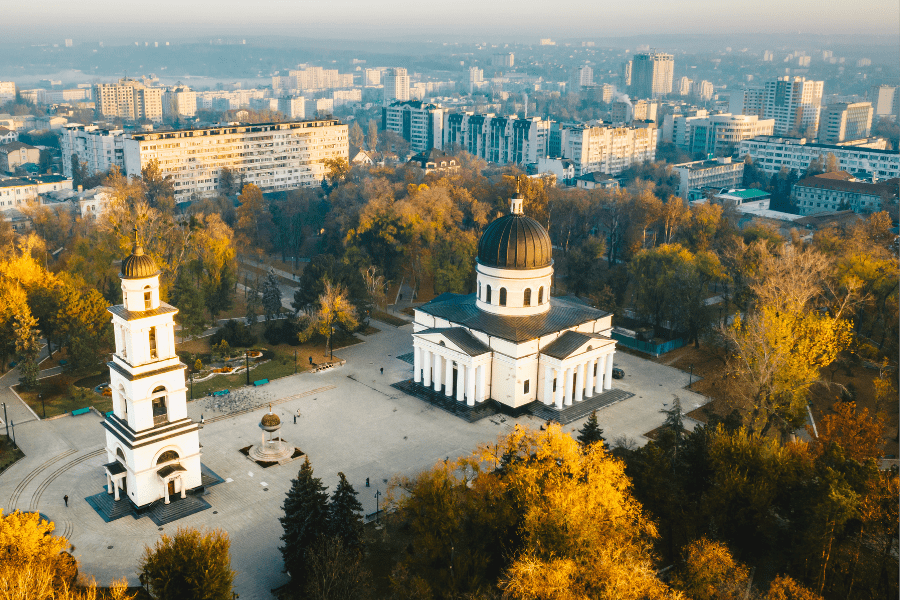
(510, 342)
(152, 446)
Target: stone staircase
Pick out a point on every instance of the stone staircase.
(578, 410)
(177, 508)
(451, 405)
(107, 507)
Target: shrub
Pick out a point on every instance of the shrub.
(236, 334)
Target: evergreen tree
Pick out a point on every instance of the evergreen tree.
(271, 296)
(253, 304)
(675, 422)
(344, 519)
(305, 522)
(591, 432)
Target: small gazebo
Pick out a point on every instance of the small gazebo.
(272, 448)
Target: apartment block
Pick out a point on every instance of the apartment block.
(720, 135)
(715, 173)
(608, 149)
(845, 121)
(684, 86)
(99, 149)
(180, 101)
(17, 192)
(503, 60)
(883, 99)
(500, 140)
(651, 75)
(312, 79)
(7, 91)
(273, 156)
(703, 90)
(771, 154)
(292, 107)
(794, 103)
(419, 123)
(836, 191)
(344, 97)
(371, 77)
(129, 99)
(319, 106)
(396, 86)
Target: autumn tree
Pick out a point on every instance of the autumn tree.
(27, 346)
(254, 221)
(710, 572)
(159, 189)
(372, 136)
(334, 309)
(190, 564)
(355, 135)
(859, 436)
(335, 572)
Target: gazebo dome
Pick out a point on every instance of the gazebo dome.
(138, 265)
(270, 421)
(515, 241)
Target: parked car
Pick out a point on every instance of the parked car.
(618, 373)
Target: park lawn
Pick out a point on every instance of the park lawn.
(9, 454)
(388, 318)
(58, 399)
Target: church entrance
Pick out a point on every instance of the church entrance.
(171, 487)
(454, 382)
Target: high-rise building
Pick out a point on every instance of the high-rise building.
(129, 99)
(882, 97)
(625, 75)
(476, 75)
(396, 86)
(749, 101)
(420, 124)
(98, 149)
(292, 107)
(845, 121)
(768, 56)
(794, 103)
(372, 77)
(584, 76)
(626, 112)
(180, 101)
(703, 90)
(7, 91)
(503, 60)
(312, 79)
(684, 86)
(651, 75)
(499, 140)
(607, 149)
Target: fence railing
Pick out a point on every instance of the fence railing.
(648, 347)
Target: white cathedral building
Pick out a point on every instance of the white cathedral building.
(152, 446)
(510, 341)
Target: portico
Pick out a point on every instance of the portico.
(576, 366)
(452, 361)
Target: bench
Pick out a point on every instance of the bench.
(220, 393)
(107, 414)
(260, 382)
(81, 411)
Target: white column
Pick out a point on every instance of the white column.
(601, 369)
(568, 398)
(417, 364)
(166, 490)
(438, 364)
(426, 367)
(482, 388)
(181, 481)
(116, 488)
(461, 382)
(589, 378)
(579, 383)
(470, 386)
(548, 385)
(448, 379)
(560, 386)
(609, 368)
(109, 489)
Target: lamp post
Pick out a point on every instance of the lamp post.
(331, 344)
(43, 406)
(5, 420)
(247, 364)
(691, 380)
(13, 425)
(377, 496)
(295, 362)
(192, 384)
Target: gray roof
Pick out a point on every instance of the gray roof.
(169, 469)
(460, 309)
(130, 315)
(115, 467)
(566, 344)
(467, 342)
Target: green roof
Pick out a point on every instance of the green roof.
(746, 194)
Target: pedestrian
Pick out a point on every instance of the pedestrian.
(310, 360)
(401, 298)
(295, 419)
(382, 370)
(66, 500)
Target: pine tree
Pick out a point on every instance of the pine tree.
(591, 432)
(344, 519)
(675, 421)
(305, 522)
(271, 296)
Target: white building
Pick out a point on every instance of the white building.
(510, 342)
(830, 192)
(180, 101)
(794, 103)
(651, 75)
(717, 173)
(503, 60)
(845, 121)
(100, 149)
(315, 107)
(8, 136)
(93, 202)
(499, 140)
(345, 97)
(608, 149)
(772, 153)
(419, 123)
(19, 191)
(312, 79)
(684, 86)
(7, 91)
(129, 99)
(152, 446)
(292, 107)
(396, 86)
(703, 90)
(372, 77)
(883, 99)
(719, 135)
(273, 156)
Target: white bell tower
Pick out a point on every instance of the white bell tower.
(152, 446)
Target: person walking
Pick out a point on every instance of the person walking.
(382, 370)
(66, 500)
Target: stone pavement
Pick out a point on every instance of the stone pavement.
(350, 419)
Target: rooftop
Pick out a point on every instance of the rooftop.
(829, 181)
(13, 146)
(745, 195)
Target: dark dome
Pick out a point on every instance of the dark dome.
(515, 241)
(270, 420)
(138, 265)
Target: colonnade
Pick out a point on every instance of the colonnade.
(434, 370)
(575, 382)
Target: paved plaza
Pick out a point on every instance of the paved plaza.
(349, 419)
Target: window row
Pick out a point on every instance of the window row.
(526, 300)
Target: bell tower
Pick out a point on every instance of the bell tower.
(152, 446)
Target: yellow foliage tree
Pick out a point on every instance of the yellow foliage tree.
(710, 572)
(860, 436)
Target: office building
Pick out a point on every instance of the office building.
(503, 60)
(180, 101)
(716, 173)
(421, 124)
(129, 99)
(273, 156)
(883, 98)
(829, 192)
(607, 149)
(719, 135)
(396, 86)
(772, 153)
(845, 121)
(7, 91)
(499, 140)
(651, 75)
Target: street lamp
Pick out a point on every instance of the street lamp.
(331, 344)
(43, 407)
(377, 496)
(247, 364)
(691, 380)
(295, 362)
(192, 384)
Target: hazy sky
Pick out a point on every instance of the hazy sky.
(96, 19)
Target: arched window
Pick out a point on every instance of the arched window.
(527, 301)
(541, 295)
(148, 297)
(153, 352)
(167, 456)
(160, 409)
(502, 296)
(120, 454)
(487, 297)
